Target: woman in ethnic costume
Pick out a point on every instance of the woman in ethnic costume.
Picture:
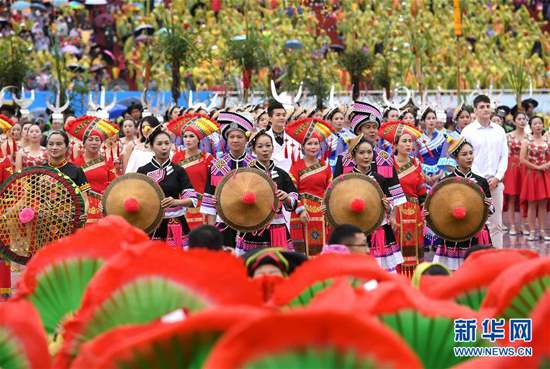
(535, 158)
(99, 171)
(140, 154)
(13, 139)
(451, 254)
(176, 185)
(382, 242)
(366, 119)
(338, 141)
(431, 148)
(276, 234)
(311, 176)
(235, 129)
(461, 118)
(193, 128)
(33, 154)
(513, 178)
(58, 147)
(410, 224)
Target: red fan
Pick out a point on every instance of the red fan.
(311, 339)
(144, 283)
(427, 325)
(56, 277)
(469, 283)
(267, 284)
(183, 344)
(517, 290)
(540, 344)
(317, 274)
(23, 341)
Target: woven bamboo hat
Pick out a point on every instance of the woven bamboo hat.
(136, 198)
(246, 200)
(457, 209)
(356, 199)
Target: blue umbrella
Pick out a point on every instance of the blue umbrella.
(20, 5)
(117, 111)
(293, 44)
(129, 101)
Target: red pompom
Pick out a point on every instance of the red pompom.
(131, 205)
(459, 212)
(249, 198)
(357, 205)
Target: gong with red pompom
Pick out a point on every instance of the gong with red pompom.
(355, 198)
(457, 209)
(246, 200)
(135, 197)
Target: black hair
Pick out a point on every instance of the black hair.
(535, 117)
(131, 120)
(520, 113)
(153, 122)
(436, 270)
(333, 113)
(133, 107)
(387, 112)
(361, 141)
(256, 137)
(169, 113)
(481, 99)
(157, 132)
(59, 132)
(462, 144)
(473, 249)
(27, 123)
(498, 116)
(273, 106)
(342, 234)
(206, 237)
(426, 112)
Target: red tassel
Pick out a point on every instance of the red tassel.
(8, 148)
(213, 147)
(427, 148)
(222, 145)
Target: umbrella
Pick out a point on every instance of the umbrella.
(103, 20)
(239, 38)
(338, 48)
(20, 5)
(59, 3)
(75, 67)
(129, 101)
(108, 56)
(117, 111)
(74, 5)
(96, 2)
(136, 7)
(146, 28)
(38, 6)
(293, 44)
(70, 49)
(96, 68)
(37, 112)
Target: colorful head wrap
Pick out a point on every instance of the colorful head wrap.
(200, 125)
(230, 121)
(364, 113)
(286, 261)
(87, 126)
(304, 129)
(5, 123)
(392, 131)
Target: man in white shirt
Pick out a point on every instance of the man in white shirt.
(490, 159)
(284, 146)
